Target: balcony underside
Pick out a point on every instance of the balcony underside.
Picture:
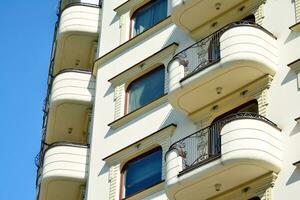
(249, 148)
(246, 55)
(64, 173)
(77, 37)
(196, 16)
(70, 103)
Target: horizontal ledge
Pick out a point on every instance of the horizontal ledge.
(172, 47)
(297, 164)
(160, 130)
(129, 43)
(140, 193)
(295, 65)
(295, 27)
(297, 119)
(138, 112)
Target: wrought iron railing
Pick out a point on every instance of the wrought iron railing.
(206, 52)
(205, 144)
(39, 157)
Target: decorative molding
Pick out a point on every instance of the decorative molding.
(119, 98)
(117, 160)
(134, 114)
(261, 187)
(297, 164)
(123, 79)
(297, 10)
(295, 27)
(295, 66)
(256, 90)
(140, 146)
(129, 6)
(129, 43)
(145, 65)
(259, 13)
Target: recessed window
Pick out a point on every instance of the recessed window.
(142, 172)
(148, 15)
(146, 89)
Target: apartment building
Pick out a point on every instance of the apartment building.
(173, 100)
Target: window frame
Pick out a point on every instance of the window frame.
(127, 91)
(123, 170)
(132, 18)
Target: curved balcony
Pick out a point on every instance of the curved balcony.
(64, 171)
(207, 12)
(77, 36)
(237, 149)
(229, 59)
(71, 99)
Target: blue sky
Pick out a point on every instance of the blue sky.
(25, 45)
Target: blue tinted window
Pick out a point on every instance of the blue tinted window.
(146, 89)
(143, 173)
(149, 15)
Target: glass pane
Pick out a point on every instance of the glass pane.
(145, 89)
(143, 173)
(150, 15)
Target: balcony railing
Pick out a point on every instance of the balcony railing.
(206, 52)
(204, 145)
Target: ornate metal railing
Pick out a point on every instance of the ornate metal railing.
(206, 52)
(205, 144)
(39, 157)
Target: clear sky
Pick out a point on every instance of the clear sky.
(26, 30)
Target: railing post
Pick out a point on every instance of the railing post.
(174, 165)
(176, 72)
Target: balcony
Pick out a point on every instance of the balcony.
(71, 99)
(64, 172)
(237, 149)
(196, 16)
(227, 60)
(77, 35)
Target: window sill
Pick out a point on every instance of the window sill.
(295, 66)
(297, 120)
(129, 43)
(134, 114)
(146, 192)
(295, 27)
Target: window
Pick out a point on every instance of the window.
(148, 15)
(142, 172)
(146, 89)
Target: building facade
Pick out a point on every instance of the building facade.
(173, 99)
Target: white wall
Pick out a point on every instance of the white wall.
(283, 103)
(284, 97)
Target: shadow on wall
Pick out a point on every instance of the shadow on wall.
(294, 177)
(295, 130)
(292, 35)
(104, 169)
(289, 77)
